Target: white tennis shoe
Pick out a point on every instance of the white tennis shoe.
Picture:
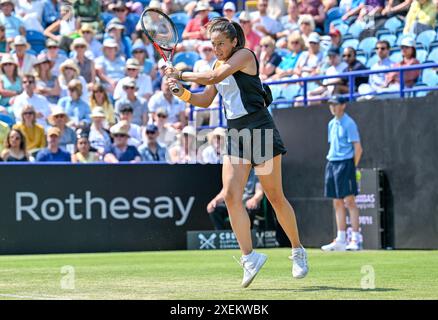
(251, 267)
(299, 263)
(335, 246)
(353, 246)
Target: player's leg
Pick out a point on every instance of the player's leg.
(350, 203)
(273, 187)
(234, 178)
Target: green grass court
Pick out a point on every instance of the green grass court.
(214, 275)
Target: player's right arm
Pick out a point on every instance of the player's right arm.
(202, 99)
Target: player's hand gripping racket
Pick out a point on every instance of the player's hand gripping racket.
(161, 31)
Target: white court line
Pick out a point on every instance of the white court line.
(32, 297)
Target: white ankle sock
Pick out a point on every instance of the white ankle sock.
(248, 256)
(341, 236)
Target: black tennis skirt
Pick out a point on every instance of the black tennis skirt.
(254, 137)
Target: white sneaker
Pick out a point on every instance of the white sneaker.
(251, 267)
(299, 263)
(353, 246)
(334, 246)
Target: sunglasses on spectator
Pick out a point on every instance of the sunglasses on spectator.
(52, 47)
(150, 132)
(128, 88)
(29, 82)
(28, 113)
(161, 116)
(59, 116)
(119, 10)
(294, 42)
(137, 51)
(346, 55)
(119, 135)
(8, 64)
(132, 69)
(381, 48)
(264, 46)
(84, 32)
(79, 47)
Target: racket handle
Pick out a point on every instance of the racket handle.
(175, 88)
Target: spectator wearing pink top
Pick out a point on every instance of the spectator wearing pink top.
(252, 38)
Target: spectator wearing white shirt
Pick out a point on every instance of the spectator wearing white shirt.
(262, 23)
(216, 149)
(29, 97)
(31, 12)
(143, 81)
(174, 107)
(99, 137)
(14, 25)
(25, 60)
(167, 133)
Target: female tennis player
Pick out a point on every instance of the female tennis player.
(235, 76)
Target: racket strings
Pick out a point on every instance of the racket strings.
(159, 29)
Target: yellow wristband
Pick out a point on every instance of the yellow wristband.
(186, 95)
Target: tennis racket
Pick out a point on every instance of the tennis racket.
(161, 31)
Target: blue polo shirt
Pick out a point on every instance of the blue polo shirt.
(60, 156)
(341, 135)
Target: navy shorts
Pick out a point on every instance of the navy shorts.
(340, 179)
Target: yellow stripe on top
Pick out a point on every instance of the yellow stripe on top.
(217, 64)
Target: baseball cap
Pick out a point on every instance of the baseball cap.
(407, 42)
(229, 6)
(126, 107)
(162, 111)
(338, 100)
(333, 51)
(129, 82)
(151, 128)
(313, 37)
(244, 16)
(53, 131)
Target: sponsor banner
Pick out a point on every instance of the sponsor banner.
(226, 239)
(89, 208)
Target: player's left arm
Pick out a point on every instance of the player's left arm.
(239, 61)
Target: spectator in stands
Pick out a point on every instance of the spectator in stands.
(25, 60)
(67, 136)
(151, 150)
(421, 16)
(69, 71)
(121, 12)
(336, 38)
(88, 11)
(143, 81)
(276, 8)
(140, 53)
(409, 58)
(4, 44)
(15, 147)
(252, 198)
(174, 107)
(63, 29)
(315, 9)
(167, 133)
(77, 109)
(99, 137)
(349, 57)
(185, 149)
(307, 26)
(393, 7)
(290, 22)
(167, 6)
(216, 148)
(207, 59)
(85, 64)
(296, 45)
(4, 130)
(120, 151)
(126, 116)
(30, 12)
(10, 82)
(83, 153)
(370, 8)
(109, 67)
(196, 31)
(55, 56)
(310, 61)
(252, 39)
(229, 10)
(115, 30)
(269, 59)
(46, 83)
(29, 97)
(51, 12)
(53, 153)
(156, 83)
(94, 46)
(99, 98)
(328, 86)
(138, 104)
(377, 81)
(14, 26)
(34, 133)
(350, 8)
(262, 23)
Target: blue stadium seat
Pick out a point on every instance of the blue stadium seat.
(371, 61)
(362, 59)
(429, 77)
(433, 55)
(180, 17)
(391, 38)
(213, 14)
(354, 43)
(36, 39)
(392, 24)
(188, 58)
(341, 26)
(419, 94)
(396, 56)
(381, 32)
(332, 14)
(288, 93)
(421, 55)
(356, 29)
(426, 38)
(180, 29)
(368, 45)
(7, 119)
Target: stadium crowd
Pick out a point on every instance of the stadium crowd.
(80, 81)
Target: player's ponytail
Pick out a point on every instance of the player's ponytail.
(231, 29)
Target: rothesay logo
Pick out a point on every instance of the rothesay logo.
(86, 207)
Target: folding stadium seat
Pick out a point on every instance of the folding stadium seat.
(391, 38)
(368, 45)
(381, 32)
(180, 29)
(288, 93)
(371, 61)
(332, 14)
(429, 77)
(354, 43)
(37, 40)
(433, 55)
(341, 26)
(426, 38)
(421, 55)
(188, 58)
(356, 29)
(392, 24)
(362, 59)
(180, 17)
(419, 94)
(396, 56)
